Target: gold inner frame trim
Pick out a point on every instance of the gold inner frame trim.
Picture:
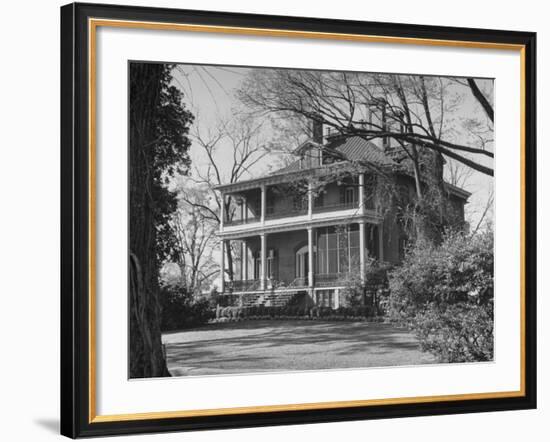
(93, 24)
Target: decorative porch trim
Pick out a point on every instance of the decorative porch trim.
(255, 230)
(282, 290)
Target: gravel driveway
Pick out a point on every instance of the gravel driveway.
(259, 346)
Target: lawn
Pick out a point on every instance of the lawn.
(260, 346)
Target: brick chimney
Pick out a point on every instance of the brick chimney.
(317, 131)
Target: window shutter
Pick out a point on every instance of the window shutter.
(342, 195)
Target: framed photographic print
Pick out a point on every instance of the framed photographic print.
(278, 220)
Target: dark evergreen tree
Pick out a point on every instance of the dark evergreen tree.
(159, 149)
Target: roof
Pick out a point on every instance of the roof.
(348, 148)
(461, 193)
(351, 149)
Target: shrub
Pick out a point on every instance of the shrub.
(445, 294)
(357, 292)
(293, 312)
(458, 333)
(180, 310)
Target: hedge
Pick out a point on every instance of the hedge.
(293, 312)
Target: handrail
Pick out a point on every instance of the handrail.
(281, 213)
(331, 207)
(236, 222)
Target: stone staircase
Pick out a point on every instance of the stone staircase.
(268, 299)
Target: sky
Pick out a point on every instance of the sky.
(209, 92)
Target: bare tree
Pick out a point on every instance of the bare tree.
(458, 174)
(482, 99)
(485, 217)
(195, 239)
(412, 107)
(408, 113)
(229, 154)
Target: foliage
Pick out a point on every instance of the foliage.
(414, 118)
(259, 312)
(159, 146)
(170, 156)
(244, 138)
(181, 310)
(445, 293)
(357, 292)
(459, 332)
(413, 110)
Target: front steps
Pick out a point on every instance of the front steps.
(268, 299)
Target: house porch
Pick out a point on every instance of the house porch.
(314, 263)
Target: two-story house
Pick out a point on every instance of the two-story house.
(286, 242)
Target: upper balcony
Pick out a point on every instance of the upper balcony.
(298, 201)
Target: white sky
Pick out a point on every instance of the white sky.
(210, 95)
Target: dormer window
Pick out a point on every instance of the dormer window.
(328, 158)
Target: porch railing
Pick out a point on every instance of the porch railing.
(299, 282)
(271, 213)
(237, 222)
(334, 207)
(246, 285)
(251, 285)
(320, 279)
(328, 279)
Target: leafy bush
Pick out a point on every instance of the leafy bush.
(458, 333)
(372, 291)
(293, 312)
(180, 310)
(445, 294)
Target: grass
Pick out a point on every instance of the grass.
(260, 346)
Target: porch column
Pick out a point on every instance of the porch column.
(263, 203)
(222, 267)
(362, 249)
(310, 199)
(362, 193)
(381, 241)
(222, 211)
(263, 261)
(244, 261)
(310, 278)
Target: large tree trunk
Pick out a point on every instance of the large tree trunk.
(146, 355)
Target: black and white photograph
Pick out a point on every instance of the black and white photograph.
(274, 221)
(286, 220)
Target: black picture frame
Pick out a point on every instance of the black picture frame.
(75, 220)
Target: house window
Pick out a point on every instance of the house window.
(349, 195)
(271, 267)
(373, 244)
(348, 192)
(370, 189)
(302, 262)
(319, 199)
(271, 264)
(270, 203)
(338, 249)
(257, 264)
(402, 247)
(325, 298)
